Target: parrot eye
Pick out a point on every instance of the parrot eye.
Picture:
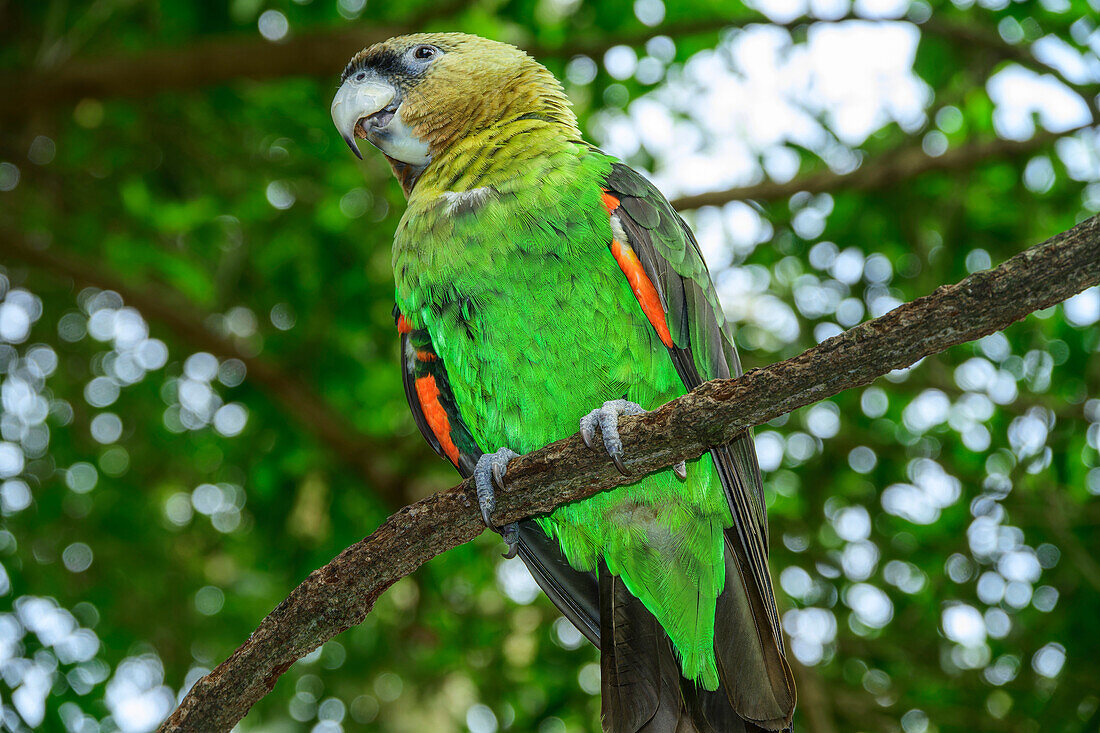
(423, 53)
(361, 76)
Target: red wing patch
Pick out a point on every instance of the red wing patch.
(428, 393)
(643, 289)
(610, 202)
(403, 325)
(639, 281)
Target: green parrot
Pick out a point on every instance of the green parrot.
(542, 286)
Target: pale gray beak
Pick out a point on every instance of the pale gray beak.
(356, 100)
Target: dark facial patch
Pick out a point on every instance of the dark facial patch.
(390, 63)
(386, 62)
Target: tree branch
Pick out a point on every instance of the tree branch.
(884, 170)
(361, 452)
(974, 35)
(320, 53)
(202, 63)
(323, 52)
(342, 593)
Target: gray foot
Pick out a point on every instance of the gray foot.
(488, 478)
(606, 418)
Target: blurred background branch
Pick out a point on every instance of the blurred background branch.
(320, 52)
(369, 457)
(887, 169)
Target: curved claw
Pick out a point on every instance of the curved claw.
(588, 428)
(606, 418)
(499, 469)
(488, 478)
(510, 534)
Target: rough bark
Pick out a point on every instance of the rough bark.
(342, 593)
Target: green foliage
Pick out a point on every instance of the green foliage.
(961, 493)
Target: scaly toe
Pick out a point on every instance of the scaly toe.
(488, 478)
(606, 418)
(499, 469)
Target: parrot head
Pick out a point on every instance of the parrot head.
(415, 96)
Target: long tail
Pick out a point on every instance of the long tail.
(644, 691)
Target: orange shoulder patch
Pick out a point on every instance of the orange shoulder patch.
(428, 393)
(610, 202)
(643, 289)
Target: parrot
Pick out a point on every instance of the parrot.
(542, 288)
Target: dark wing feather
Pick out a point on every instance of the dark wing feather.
(407, 379)
(748, 638)
(640, 690)
(575, 593)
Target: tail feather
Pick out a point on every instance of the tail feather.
(643, 689)
(630, 661)
(710, 712)
(755, 674)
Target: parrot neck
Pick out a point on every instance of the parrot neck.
(405, 173)
(501, 156)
